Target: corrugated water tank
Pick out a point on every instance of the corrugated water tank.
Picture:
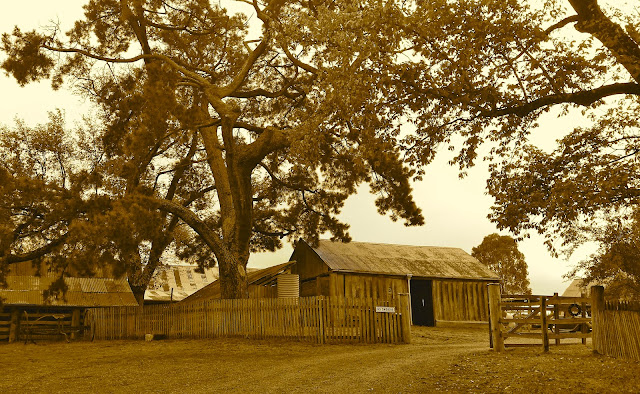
(288, 285)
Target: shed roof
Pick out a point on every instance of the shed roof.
(183, 279)
(418, 261)
(82, 292)
(577, 287)
(257, 277)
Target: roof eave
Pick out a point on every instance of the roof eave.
(487, 279)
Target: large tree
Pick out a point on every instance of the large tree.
(287, 123)
(501, 254)
(496, 68)
(291, 121)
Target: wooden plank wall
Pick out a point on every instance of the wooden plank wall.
(367, 286)
(260, 291)
(618, 330)
(316, 319)
(458, 300)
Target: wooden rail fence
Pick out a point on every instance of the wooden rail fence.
(5, 325)
(17, 324)
(537, 316)
(616, 330)
(317, 319)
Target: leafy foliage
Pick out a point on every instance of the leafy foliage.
(283, 128)
(500, 253)
(250, 140)
(617, 262)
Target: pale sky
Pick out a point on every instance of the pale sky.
(455, 210)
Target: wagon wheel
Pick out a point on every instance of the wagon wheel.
(575, 310)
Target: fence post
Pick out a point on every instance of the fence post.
(495, 312)
(544, 325)
(597, 318)
(556, 316)
(321, 321)
(14, 327)
(406, 318)
(75, 322)
(583, 314)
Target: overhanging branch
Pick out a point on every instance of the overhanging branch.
(584, 98)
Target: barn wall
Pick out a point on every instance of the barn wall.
(367, 285)
(308, 264)
(318, 286)
(263, 291)
(460, 300)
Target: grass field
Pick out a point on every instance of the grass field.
(438, 360)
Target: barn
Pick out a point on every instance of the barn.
(445, 284)
(27, 311)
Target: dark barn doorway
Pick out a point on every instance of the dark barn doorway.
(422, 302)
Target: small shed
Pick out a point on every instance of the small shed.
(262, 283)
(444, 284)
(175, 282)
(26, 308)
(578, 288)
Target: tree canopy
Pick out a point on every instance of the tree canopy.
(276, 130)
(501, 254)
(284, 126)
(509, 63)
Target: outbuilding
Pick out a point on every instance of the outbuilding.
(28, 311)
(175, 282)
(446, 285)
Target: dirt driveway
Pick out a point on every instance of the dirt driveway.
(438, 360)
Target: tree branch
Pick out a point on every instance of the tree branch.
(48, 248)
(584, 98)
(561, 24)
(592, 20)
(207, 234)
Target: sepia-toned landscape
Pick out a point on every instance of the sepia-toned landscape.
(320, 196)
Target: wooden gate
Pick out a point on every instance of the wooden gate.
(537, 317)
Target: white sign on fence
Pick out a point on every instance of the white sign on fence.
(386, 309)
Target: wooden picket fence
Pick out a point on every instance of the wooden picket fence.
(317, 319)
(616, 330)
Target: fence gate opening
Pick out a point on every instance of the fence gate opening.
(521, 318)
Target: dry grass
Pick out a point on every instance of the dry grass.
(438, 360)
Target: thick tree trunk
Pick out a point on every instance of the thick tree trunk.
(233, 279)
(138, 293)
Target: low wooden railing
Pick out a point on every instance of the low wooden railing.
(317, 319)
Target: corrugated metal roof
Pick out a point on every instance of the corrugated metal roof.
(183, 279)
(81, 292)
(418, 261)
(256, 277)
